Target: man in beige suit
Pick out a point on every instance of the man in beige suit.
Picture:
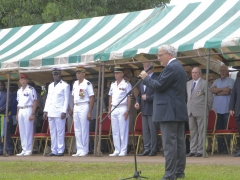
(196, 96)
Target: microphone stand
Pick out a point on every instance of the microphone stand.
(137, 173)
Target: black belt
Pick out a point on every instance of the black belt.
(24, 107)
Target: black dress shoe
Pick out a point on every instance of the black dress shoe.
(51, 154)
(60, 154)
(152, 154)
(91, 152)
(145, 153)
(223, 152)
(237, 154)
(190, 155)
(10, 153)
(168, 178)
(198, 155)
(180, 176)
(35, 152)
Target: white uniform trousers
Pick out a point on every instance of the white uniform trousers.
(57, 132)
(26, 129)
(81, 127)
(120, 128)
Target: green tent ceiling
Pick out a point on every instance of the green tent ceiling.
(191, 27)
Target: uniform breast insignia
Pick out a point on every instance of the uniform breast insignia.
(26, 94)
(81, 93)
(121, 89)
(198, 92)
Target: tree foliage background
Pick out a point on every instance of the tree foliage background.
(15, 13)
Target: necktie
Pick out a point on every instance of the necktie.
(194, 84)
(55, 83)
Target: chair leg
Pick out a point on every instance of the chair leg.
(46, 141)
(33, 143)
(213, 144)
(18, 141)
(14, 145)
(70, 146)
(225, 139)
(111, 144)
(234, 142)
(138, 141)
(40, 145)
(108, 144)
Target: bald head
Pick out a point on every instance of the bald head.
(196, 73)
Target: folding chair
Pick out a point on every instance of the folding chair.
(70, 135)
(234, 142)
(106, 131)
(211, 127)
(16, 137)
(137, 131)
(230, 130)
(43, 136)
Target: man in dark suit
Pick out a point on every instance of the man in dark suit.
(150, 128)
(234, 107)
(169, 108)
(3, 100)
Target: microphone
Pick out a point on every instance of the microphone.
(148, 69)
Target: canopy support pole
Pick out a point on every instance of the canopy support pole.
(205, 155)
(101, 108)
(96, 123)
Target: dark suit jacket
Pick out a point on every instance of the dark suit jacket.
(147, 105)
(169, 93)
(235, 98)
(3, 100)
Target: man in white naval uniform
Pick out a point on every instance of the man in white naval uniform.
(119, 116)
(27, 104)
(56, 109)
(82, 111)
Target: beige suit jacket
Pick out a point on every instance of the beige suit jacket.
(196, 100)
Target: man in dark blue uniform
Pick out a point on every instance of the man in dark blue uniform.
(3, 99)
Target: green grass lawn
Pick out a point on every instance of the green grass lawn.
(105, 171)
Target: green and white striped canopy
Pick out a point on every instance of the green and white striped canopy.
(193, 27)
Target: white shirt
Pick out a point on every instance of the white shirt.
(196, 82)
(171, 60)
(82, 92)
(119, 91)
(144, 86)
(26, 97)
